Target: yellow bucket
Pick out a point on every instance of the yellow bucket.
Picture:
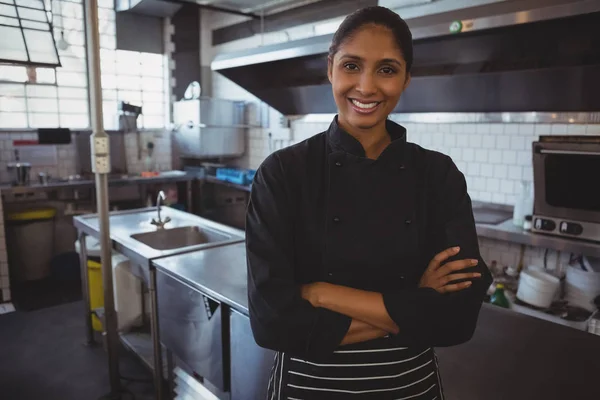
(96, 291)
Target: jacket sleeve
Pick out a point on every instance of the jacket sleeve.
(423, 315)
(281, 319)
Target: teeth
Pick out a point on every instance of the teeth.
(363, 105)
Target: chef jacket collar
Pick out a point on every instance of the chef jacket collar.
(341, 140)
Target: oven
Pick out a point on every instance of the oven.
(566, 176)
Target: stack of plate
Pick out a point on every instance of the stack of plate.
(582, 287)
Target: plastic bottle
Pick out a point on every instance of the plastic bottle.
(524, 205)
(499, 298)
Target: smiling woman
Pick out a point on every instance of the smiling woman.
(362, 249)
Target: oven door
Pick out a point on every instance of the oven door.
(567, 180)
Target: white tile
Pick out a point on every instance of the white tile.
(455, 128)
(524, 158)
(462, 140)
(559, 129)
(507, 186)
(576, 129)
(503, 142)
(487, 170)
(592, 129)
(483, 129)
(455, 153)
(500, 171)
(542, 129)
(509, 157)
(511, 199)
(461, 165)
(511, 129)
(498, 198)
(517, 143)
(479, 183)
(468, 155)
(528, 173)
(515, 172)
(450, 140)
(6, 295)
(475, 140)
(495, 156)
(481, 155)
(488, 141)
(486, 196)
(526, 129)
(497, 129)
(492, 185)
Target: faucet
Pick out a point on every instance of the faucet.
(159, 223)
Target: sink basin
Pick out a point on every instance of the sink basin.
(176, 238)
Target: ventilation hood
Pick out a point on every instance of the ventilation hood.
(507, 56)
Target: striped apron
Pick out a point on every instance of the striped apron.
(375, 369)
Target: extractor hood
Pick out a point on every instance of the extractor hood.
(507, 56)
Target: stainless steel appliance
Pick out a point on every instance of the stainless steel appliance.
(19, 173)
(208, 128)
(566, 172)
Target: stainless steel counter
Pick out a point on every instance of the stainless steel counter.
(219, 272)
(171, 176)
(124, 224)
(508, 232)
(510, 356)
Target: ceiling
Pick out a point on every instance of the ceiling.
(256, 6)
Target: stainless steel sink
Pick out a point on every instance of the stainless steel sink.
(176, 238)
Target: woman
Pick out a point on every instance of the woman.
(362, 249)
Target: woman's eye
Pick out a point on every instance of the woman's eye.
(388, 70)
(351, 66)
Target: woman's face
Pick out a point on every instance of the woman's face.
(368, 75)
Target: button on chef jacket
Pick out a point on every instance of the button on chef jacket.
(321, 211)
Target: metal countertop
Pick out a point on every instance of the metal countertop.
(510, 356)
(126, 180)
(123, 224)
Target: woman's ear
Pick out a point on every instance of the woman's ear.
(329, 68)
(406, 81)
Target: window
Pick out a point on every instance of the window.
(35, 97)
(26, 36)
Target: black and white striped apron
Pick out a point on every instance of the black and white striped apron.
(371, 370)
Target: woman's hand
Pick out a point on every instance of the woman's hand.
(311, 292)
(438, 276)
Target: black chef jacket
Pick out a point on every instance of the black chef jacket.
(321, 211)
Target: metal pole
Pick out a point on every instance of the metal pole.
(85, 289)
(101, 167)
(155, 328)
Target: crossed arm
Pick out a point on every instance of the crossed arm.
(316, 318)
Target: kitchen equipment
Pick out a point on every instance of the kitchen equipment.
(582, 287)
(208, 128)
(54, 136)
(19, 173)
(43, 178)
(567, 193)
(537, 288)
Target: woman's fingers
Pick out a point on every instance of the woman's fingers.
(455, 287)
(455, 266)
(456, 277)
(439, 258)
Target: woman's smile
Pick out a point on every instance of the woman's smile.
(364, 106)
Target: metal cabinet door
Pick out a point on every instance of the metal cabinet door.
(250, 364)
(191, 327)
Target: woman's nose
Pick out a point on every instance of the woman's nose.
(366, 85)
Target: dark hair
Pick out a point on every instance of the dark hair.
(375, 16)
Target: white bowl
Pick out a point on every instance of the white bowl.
(537, 288)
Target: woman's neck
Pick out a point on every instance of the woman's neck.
(373, 140)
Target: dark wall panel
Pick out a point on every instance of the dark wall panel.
(137, 32)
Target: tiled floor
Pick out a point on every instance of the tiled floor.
(43, 356)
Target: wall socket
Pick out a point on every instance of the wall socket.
(100, 154)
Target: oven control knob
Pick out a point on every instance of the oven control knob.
(545, 224)
(571, 228)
